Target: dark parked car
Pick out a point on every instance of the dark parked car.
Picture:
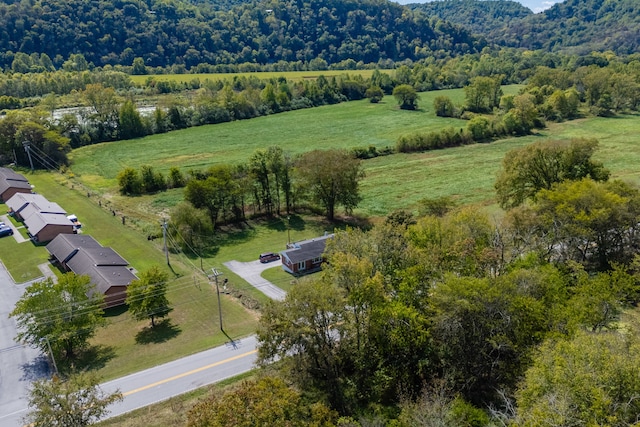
(6, 231)
(268, 257)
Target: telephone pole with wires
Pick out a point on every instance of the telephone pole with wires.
(215, 275)
(27, 146)
(164, 236)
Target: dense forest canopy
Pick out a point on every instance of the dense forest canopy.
(573, 26)
(166, 32)
(481, 17)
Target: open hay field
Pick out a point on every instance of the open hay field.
(262, 75)
(347, 125)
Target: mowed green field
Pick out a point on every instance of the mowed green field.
(347, 125)
(392, 182)
(262, 75)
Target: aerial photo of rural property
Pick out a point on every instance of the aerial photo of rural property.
(329, 213)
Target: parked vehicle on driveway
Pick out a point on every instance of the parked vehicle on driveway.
(6, 231)
(268, 257)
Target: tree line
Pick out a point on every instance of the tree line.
(270, 183)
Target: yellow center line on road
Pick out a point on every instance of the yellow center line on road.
(184, 374)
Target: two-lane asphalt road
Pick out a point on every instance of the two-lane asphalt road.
(181, 376)
(19, 365)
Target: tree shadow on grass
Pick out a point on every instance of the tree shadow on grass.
(163, 331)
(91, 358)
(115, 311)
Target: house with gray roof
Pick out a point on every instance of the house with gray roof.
(23, 205)
(12, 183)
(82, 254)
(43, 227)
(305, 256)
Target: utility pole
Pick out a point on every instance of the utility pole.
(164, 236)
(288, 231)
(215, 275)
(26, 146)
(53, 359)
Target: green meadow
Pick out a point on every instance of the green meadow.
(347, 125)
(262, 75)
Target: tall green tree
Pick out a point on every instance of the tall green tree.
(483, 93)
(589, 222)
(65, 314)
(130, 123)
(76, 401)
(306, 329)
(540, 165)
(406, 96)
(330, 178)
(147, 296)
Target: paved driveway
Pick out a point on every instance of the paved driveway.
(16, 234)
(250, 271)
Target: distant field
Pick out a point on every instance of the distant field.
(392, 182)
(346, 125)
(289, 75)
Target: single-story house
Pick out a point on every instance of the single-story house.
(83, 255)
(65, 246)
(305, 256)
(23, 205)
(45, 226)
(12, 183)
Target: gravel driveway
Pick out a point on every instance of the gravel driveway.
(250, 271)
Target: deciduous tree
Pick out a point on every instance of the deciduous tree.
(66, 313)
(267, 401)
(587, 380)
(147, 296)
(331, 178)
(537, 166)
(77, 401)
(406, 96)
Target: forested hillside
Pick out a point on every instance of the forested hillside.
(581, 26)
(573, 26)
(487, 17)
(166, 32)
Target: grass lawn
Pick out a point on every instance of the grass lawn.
(22, 259)
(125, 345)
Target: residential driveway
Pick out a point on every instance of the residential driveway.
(250, 271)
(16, 234)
